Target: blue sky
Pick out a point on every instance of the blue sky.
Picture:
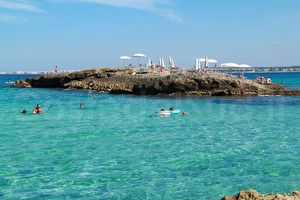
(75, 34)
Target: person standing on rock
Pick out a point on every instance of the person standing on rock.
(56, 70)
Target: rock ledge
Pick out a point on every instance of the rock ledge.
(254, 195)
(126, 81)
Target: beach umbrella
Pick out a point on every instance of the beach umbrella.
(196, 64)
(244, 66)
(212, 61)
(162, 63)
(149, 63)
(124, 58)
(173, 63)
(170, 61)
(206, 62)
(139, 56)
(233, 65)
(199, 64)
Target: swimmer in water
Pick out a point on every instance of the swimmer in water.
(37, 109)
(185, 113)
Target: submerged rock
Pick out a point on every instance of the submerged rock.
(126, 81)
(254, 195)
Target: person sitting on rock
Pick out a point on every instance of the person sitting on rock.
(37, 109)
(262, 79)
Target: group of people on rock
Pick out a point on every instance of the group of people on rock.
(262, 79)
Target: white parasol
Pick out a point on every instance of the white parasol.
(139, 56)
(124, 58)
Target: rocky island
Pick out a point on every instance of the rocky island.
(254, 195)
(129, 81)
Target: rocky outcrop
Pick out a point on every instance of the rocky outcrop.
(126, 81)
(21, 84)
(254, 195)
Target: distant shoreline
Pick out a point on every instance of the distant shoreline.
(248, 72)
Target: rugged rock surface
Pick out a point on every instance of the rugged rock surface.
(125, 81)
(21, 84)
(254, 195)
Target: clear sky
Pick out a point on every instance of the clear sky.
(75, 34)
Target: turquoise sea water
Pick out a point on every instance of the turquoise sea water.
(289, 80)
(118, 148)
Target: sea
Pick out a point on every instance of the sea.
(118, 147)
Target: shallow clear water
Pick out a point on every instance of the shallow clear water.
(118, 148)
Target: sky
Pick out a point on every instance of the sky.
(80, 34)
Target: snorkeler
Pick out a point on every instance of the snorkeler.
(164, 112)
